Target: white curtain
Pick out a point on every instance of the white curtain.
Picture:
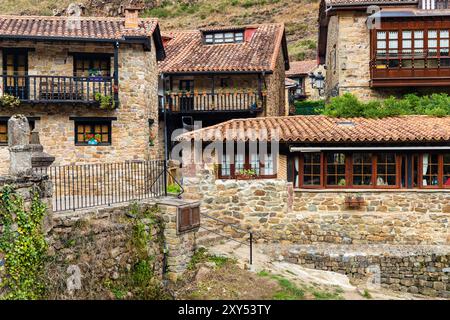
(297, 171)
(425, 167)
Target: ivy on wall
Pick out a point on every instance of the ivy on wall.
(23, 245)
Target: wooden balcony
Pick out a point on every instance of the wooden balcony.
(405, 69)
(195, 102)
(57, 89)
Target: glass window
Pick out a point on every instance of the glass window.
(446, 180)
(93, 132)
(92, 65)
(362, 169)
(311, 169)
(430, 169)
(225, 165)
(386, 169)
(224, 37)
(254, 163)
(335, 175)
(3, 132)
(268, 165)
(239, 162)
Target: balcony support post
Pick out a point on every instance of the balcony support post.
(213, 88)
(116, 72)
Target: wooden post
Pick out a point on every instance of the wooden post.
(116, 72)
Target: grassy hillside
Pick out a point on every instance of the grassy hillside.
(300, 16)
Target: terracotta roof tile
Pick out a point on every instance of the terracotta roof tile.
(301, 67)
(186, 52)
(323, 129)
(63, 27)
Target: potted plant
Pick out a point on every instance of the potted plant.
(151, 139)
(173, 189)
(92, 139)
(106, 102)
(95, 75)
(9, 101)
(246, 174)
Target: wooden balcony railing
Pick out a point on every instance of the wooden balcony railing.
(56, 89)
(215, 102)
(411, 68)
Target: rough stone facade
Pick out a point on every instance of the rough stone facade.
(276, 105)
(414, 269)
(348, 59)
(138, 83)
(276, 213)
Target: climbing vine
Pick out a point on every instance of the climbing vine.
(147, 227)
(22, 244)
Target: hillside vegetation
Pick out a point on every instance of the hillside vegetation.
(299, 16)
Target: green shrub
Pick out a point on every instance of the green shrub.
(348, 106)
(173, 188)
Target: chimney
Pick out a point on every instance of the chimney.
(132, 17)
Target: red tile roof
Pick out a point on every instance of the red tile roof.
(186, 52)
(323, 129)
(301, 67)
(85, 28)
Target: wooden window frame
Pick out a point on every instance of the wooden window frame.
(93, 123)
(247, 166)
(440, 173)
(348, 172)
(325, 168)
(91, 57)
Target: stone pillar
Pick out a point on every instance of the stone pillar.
(180, 247)
(19, 146)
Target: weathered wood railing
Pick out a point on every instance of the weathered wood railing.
(215, 102)
(57, 89)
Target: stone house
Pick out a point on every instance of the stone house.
(221, 73)
(87, 84)
(298, 72)
(379, 48)
(344, 169)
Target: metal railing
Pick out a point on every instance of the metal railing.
(83, 186)
(215, 102)
(57, 89)
(234, 227)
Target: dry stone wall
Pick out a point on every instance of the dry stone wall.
(276, 213)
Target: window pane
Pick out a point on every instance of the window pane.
(268, 164)
(430, 169)
(386, 169)
(418, 34)
(254, 162)
(406, 34)
(335, 175)
(393, 35)
(225, 165)
(362, 169)
(432, 34)
(92, 133)
(239, 162)
(3, 132)
(444, 33)
(381, 44)
(446, 170)
(311, 169)
(381, 35)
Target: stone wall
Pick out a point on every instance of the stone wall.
(276, 105)
(414, 269)
(138, 83)
(275, 213)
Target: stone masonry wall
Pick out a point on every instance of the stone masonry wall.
(138, 83)
(276, 90)
(414, 269)
(276, 214)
